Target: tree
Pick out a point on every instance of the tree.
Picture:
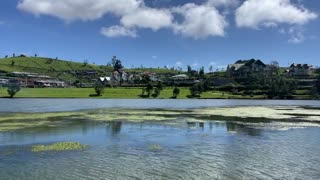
(317, 85)
(99, 88)
(175, 92)
(159, 86)
(189, 69)
(12, 63)
(113, 60)
(274, 65)
(156, 92)
(14, 55)
(85, 63)
(196, 89)
(149, 89)
(158, 89)
(211, 68)
(35, 55)
(201, 72)
(13, 89)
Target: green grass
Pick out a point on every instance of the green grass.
(117, 93)
(60, 146)
(58, 69)
(34, 63)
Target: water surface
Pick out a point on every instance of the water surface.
(54, 105)
(205, 149)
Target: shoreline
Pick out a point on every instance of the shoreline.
(130, 93)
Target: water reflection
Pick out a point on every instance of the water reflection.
(195, 125)
(231, 127)
(115, 127)
(242, 129)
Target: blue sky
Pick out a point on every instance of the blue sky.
(163, 32)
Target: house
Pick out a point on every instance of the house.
(105, 79)
(243, 68)
(299, 70)
(49, 83)
(181, 80)
(4, 82)
(180, 77)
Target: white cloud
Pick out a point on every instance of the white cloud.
(296, 35)
(118, 31)
(178, 64)
(70, 10)
(200, 21)
(148, 18)
(195, 64)
(254, 13)
(197, 21)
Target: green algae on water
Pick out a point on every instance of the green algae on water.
(155, 147)
(60, 146)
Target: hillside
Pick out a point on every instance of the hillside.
(66, 70)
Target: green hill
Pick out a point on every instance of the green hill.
(59, 69)
(67, 70)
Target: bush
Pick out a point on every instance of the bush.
(175, 92)
(196, 89)
(13, 90)
(99, 88)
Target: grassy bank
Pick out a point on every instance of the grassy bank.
(117, 93)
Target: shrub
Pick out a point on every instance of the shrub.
(196, 89)
(175, 92)
(99, 89)
(13, 90)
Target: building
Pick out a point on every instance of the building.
(243, 68)
(299, 70)
(182, 80)
(4, 82)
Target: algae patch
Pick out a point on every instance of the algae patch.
(155, 148)
(60, 146)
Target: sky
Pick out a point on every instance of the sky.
(157, 33)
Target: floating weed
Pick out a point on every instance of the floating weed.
(155, 147)
(60, 146)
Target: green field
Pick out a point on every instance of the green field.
(117, 93)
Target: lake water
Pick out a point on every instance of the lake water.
(185, 150)
(54, 105)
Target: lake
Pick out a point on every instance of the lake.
(179, 149)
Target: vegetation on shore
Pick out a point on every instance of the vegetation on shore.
(60, 146)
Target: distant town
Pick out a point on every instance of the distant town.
(251, 78)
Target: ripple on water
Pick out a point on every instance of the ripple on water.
(208, 152)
